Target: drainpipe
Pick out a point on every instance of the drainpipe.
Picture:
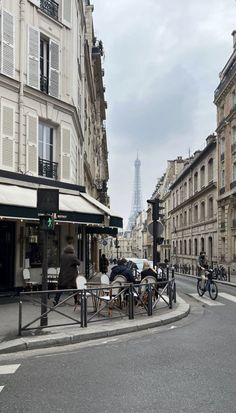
(21, 166)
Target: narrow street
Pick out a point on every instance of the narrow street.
(185, 367)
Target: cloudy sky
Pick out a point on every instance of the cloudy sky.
(162, 62)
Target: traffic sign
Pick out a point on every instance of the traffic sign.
(160, 228)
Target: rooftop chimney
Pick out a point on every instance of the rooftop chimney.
(234, 38)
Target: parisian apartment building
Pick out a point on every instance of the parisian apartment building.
(52, 134)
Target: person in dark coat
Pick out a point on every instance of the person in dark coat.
(68, 271)
(122, 269)
(147, 270)
(104, 264)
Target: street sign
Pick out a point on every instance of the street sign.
(104, 242)
(160, 228)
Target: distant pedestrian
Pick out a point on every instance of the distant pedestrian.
(104, 263)
(68, 271)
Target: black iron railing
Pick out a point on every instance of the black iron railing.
(48, 168)
(50, 7)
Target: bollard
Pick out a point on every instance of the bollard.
(167, 272)
(20, 318)
(85, 309)
(172, 272)
(229, 274)
(170, 294)
(149, 299)
(131, 303)
(82, 309)
(174, 292)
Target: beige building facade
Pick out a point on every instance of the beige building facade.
(225, 101)
(52, 133)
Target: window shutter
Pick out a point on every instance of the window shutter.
(7, 44)
(65, 154)
(32, 145)
(66, 12)
(33, 57)
(8, 138)
(54, 69)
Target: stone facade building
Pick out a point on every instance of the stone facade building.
(52, 133)
(225, 101)
(193, 212)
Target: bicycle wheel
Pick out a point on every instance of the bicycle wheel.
(199, 288)
(213, 290)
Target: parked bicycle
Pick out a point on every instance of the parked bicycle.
(221, 273)
(208, 285)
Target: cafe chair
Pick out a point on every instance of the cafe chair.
(52, 276)
(149, 279)
(80, 285)
(27, 280)
(113, 297)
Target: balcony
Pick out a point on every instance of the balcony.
(48, 168)
(44, 84)
(50, 7)
(227, 76)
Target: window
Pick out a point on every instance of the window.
(222, 149)
(190, 187)
(190, 216)
(185, 247)
(234, 171)
(190, 247)
(195, 182)
(177, 198)
(210, 208)
(210, 170)
(173, 197)
(34, 246)
(196, 213)
(44, 64)
(234, 134)
(203, 211)
(202, 176)
(222, 178)
(47, 167)
(185, 217)
(181, 220)
(180, 247)
(195, 247)
(202, 244)
(177, 221)
(185, 190)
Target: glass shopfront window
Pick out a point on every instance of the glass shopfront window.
(34, 246)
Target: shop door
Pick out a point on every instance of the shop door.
(7, 256)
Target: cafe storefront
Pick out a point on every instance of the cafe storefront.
(21, 240)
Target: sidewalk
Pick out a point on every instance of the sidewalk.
(10, 342)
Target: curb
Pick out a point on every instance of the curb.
(128, 326)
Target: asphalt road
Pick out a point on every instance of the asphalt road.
(186, 367)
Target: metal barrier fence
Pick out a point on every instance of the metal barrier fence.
(222, 272)
(97, 303)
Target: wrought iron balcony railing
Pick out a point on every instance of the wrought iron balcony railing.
(44, 84)
(50, 7)
(48, 168)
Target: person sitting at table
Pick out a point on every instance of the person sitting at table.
(122, 269)
(147, 270)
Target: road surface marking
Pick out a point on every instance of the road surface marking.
(228, 297)
(1, 388)
(206, 300)
(9, 368)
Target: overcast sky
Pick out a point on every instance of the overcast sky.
(162, 64)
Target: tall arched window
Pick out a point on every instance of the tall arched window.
(202, 211)
(190, 247)
(210, 207)
(195, 184)
(210, 170)
(185, 247)
(180, 247)
(202, 176)
(195, 246)
(196, 213)
(202, 244)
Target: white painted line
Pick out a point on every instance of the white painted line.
(206, 300)
(228, 297)
(9, 368)
(1, 388)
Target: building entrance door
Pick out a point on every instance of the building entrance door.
(7, 257)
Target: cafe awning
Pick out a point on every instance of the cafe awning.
(19, 202)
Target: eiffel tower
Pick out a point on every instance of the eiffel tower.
(137, 198)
